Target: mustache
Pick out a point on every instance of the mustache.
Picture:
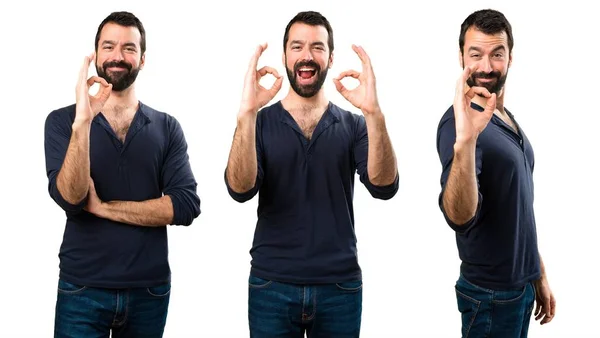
(482, 75)
(121, 64)
(311, 64)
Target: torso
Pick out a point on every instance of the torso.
(307, 119)
(120, 121)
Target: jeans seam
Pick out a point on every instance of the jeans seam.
(314, 299)
(508, 301)
(155, 295)
(349, 289)
(475, 302)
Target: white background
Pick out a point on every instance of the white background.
(195, 63)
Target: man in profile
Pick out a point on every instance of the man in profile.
(487, 190)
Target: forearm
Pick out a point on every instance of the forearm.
(461, 193)
(73, 178)
(154, 212)
(382, 166)
(242, 164)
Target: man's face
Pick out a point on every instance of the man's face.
(307, 58)
(118, 56)
(491, 56)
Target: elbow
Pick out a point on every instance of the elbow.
(70, 207)
(185, 209)
(384, 192)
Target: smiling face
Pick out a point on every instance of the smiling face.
(118, 56)
(307, 58)
(491, 56)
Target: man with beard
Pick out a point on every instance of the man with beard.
(120, 171)
(302, 154)
(487, 190)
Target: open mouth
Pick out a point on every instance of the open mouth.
(305, 74)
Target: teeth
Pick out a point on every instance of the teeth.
(306, 69)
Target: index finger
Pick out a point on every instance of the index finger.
(257, 53)
(461, 84)
(83, 72)
(362, 55)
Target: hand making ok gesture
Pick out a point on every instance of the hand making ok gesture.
(255, 95)
(87, 106)
(364, 96)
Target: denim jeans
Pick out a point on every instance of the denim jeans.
(86, 312)
(494, 313)
(281, 310)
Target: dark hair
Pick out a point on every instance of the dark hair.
(313, 19)
(124, 19)
(487, 21)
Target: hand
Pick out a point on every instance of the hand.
(364, 96)
(545, 302)
(94, 204)
(470, 122)
(255, 95)
(88, 106)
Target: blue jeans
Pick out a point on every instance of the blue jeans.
(493, 313)
(86, 312)
(281, 310)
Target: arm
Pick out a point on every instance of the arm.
(382, 167)
(67, 142)
(242, 167)
(460, 197)
(180, 204)
(362, 157)
(72, 179)
(243, 174)
(544, 298)
(461, 192)
(65, 150)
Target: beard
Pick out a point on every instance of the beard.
(120, 80)
(492, 86)
(308, 90)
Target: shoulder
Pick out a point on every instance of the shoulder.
(64, 114)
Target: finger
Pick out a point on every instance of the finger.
(364, 58)
(340, 88)
(96, 79)
(83, 72)
(348, 73)
(538, 308)
(548, 315)
(490, 106)
(257, 53)
(461, 83)
(276, 86)
(268, 70)
(479, 91)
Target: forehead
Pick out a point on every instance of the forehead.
(476, 38)
(308, 33)
(120, 34)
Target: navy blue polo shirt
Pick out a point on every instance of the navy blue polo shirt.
(305, 228)
(498, 246)
(153, 161)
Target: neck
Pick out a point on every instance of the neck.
(293, 101)
(482, 101)
(122, 102)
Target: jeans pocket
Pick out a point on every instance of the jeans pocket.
(353, 286)
(69, 288)
(509, 297)
(162, 290)
(256, 282)
(468, 308)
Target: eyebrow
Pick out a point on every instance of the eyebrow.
(317, 43)
(497, 49)
(111, 42)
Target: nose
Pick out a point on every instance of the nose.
(307, 55)
(485, 66)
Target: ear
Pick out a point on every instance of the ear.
(510, 58)
(283, 60)
(142, 61)
(330, 60)
(461, 59)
